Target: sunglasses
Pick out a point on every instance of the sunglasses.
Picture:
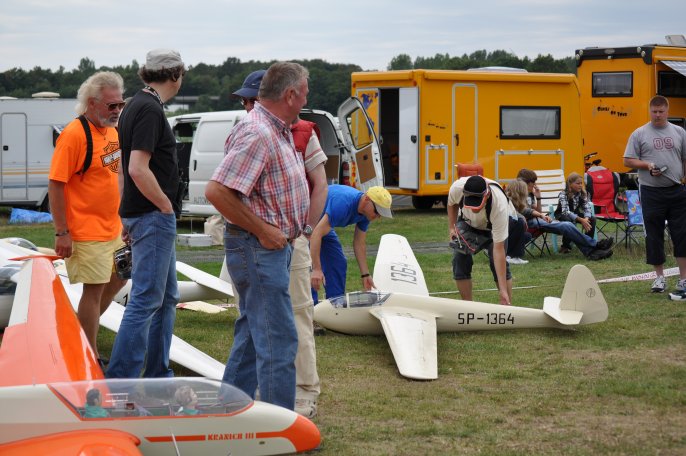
(113, 106)
(375, 210)
(247, 101)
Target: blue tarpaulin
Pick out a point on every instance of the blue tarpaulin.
(26, 217)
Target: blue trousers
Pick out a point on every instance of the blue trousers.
(265, 339)
(145, 333)
(334, 266)
(585, 243)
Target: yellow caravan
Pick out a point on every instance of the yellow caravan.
(616, 87)
(427, 121)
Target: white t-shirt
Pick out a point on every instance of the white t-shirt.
(501, 210)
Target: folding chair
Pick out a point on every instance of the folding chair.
(634, 217)
(603, 186)
(550, 182)
(533, 247)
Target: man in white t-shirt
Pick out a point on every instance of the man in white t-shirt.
(483, 206)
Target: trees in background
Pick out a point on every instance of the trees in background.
(213, 84)
(482, 58)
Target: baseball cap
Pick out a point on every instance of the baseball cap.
(161, 59)
(251, 85)
(382, 200)
(474, 191)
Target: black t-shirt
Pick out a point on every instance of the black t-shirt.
(143, 126)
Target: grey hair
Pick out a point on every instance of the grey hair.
(280, 77)
(92, 87)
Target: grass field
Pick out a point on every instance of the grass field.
(614, 388)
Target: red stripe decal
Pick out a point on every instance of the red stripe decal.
(178, 438)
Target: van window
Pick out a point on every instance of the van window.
(530, 122)
(361, 134)
(613, 84)
(671, 84)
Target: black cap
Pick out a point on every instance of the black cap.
(474, 191)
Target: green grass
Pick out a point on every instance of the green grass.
(614, 388)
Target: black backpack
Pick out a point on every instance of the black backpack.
(89, 145)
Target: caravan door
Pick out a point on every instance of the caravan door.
(362, 147)
(14, 183)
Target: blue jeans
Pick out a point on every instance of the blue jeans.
(585, 243)
(334, 266)
(144, 337)
(265, 339)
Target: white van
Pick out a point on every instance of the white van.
(352, 149)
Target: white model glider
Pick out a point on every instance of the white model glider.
(403, 310)
(202, 286)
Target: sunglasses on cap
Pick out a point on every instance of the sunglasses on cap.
(481, 195)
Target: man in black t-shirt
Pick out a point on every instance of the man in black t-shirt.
(149, 181)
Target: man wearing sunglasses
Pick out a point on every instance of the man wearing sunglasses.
(483, 206)
(84, 198)
(345, 206)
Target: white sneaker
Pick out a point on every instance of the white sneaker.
(659, 285)
(681, 285)
(516, 260)
(306, 407)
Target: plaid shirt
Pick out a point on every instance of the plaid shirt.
(576, 207)
(262, 165)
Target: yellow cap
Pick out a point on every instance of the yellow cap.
(381, 199)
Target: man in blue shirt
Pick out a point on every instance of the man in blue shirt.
(345, 206)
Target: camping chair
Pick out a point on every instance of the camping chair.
(537, 248)
(550, 182)
(603, 186)
(634, 217)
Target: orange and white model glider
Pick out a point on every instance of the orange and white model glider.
(202, 286)
(410, 318)
(55, 400)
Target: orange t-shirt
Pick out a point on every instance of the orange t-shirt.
(92, 200)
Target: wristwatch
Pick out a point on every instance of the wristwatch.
(307, 231)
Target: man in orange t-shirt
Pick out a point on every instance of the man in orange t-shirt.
(85, 205)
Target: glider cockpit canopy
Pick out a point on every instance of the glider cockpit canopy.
(359, 299)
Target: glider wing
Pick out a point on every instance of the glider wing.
(411, 335)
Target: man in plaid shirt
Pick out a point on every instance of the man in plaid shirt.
(261, 189)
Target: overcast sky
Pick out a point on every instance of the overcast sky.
(54, 33)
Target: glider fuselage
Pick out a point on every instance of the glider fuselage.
(451, 315)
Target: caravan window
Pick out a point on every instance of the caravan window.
(671, 84)
(616, 84)
(530, 122)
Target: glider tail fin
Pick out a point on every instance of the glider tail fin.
(581, 302)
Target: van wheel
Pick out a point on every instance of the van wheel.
(423, 203)
(45, 205)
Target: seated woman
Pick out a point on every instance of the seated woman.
(187, 399)
(94, 405)
(518, 236)
(575, 206)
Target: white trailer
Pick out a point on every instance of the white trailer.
(28, 130)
